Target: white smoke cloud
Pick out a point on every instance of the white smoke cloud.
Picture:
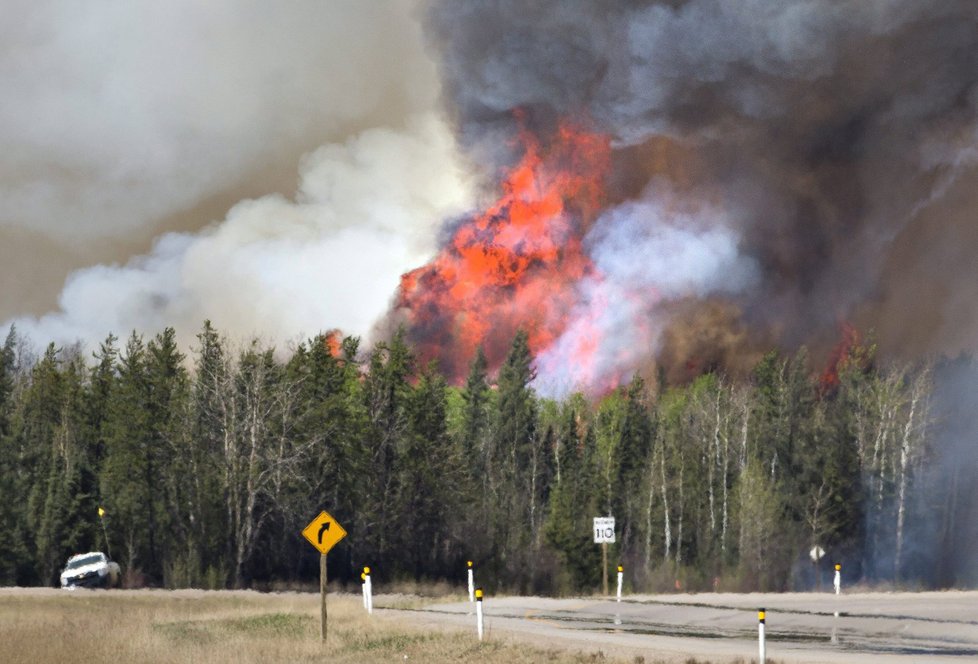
(116, 114)
(645, 253)
(122, 121)
(367, 211)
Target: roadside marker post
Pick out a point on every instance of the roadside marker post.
(368, 597)
(837, 582)
(621, 573)
(760, 636)
(105, 534)
(471, 582)
(323, 533)
(363, 588)
(478, 611)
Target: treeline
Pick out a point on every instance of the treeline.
(209, 466)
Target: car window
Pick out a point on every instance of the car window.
(87, 560)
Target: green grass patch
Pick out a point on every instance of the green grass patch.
(271, 624)
(395, 642)
(196, 632)
(263, 625)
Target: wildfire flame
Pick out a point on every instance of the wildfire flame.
(333, 342)
(515, 265)
(840, 356)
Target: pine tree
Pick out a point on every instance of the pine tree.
(169, 453)
(633, 459)
(386, 395)
(430, 481)
(211, 398)
(8, 359)
(517, 462)
(130, 469)
(12, 551)
(68, 518)
(574, 501)
(475, 414)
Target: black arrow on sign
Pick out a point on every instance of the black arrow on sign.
(322, 529)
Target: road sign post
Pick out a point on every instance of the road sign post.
(368, 591)
(105, 533)
(323, 533)
(322, 597)
(604, 568)
(604, 533)
(762, 650)
(478, 611)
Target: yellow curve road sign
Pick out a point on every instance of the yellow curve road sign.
(324, 532)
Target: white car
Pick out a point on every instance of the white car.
(90, 570)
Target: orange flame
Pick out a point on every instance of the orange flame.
(333, 342)
(516, 264)
(839, 357)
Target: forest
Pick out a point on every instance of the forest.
(208, 465)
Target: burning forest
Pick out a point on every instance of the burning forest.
(720, 255)
(667, 200)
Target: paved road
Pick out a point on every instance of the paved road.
(801, 627)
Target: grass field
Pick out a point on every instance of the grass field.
(46, 626)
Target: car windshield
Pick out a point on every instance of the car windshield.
(87, 560)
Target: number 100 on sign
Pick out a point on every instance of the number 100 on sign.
(604, 529)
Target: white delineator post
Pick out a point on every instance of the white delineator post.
(363, 578)
(368, 591)
(621, 573)
(471, 582)
(837, 582)
(762, 651)
(478, 611)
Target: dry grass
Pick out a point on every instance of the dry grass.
(48, 627)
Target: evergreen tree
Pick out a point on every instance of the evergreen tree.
(211, 400)
(476, 412)
(386, 394)
(430, 481)
(69, 512)
(13, 552)
(130, 479)
(634, 449)
(517, 462)
(168, 452)
(8, 358)
(36, 442)
(574, 502)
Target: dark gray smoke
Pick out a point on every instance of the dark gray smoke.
(834, 143)
(779, 168)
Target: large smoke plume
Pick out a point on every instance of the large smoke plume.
(130, 129)
(777, 167)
